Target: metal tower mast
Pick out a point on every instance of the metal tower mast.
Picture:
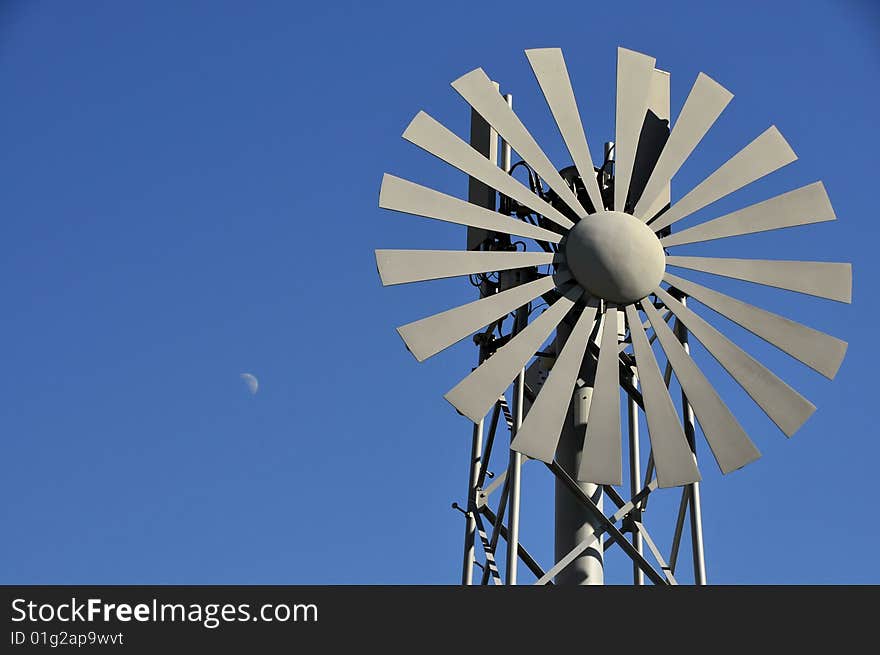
(604, 235)
(580, 522)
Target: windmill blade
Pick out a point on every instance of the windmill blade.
(431, 136)
(475, 394)
(673, 457)
(404, 196)
(539, 434)
(830, 280)
(601, 460)
(549, 68)
(803, 206)
(819, 351)
(785, 406)
(478, 91)
(403, 266)
(767, 153)
(730, 444)
(428, 336)
(634, 72)
(702, 108)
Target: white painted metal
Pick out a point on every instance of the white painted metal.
(830, 280)
(767, 153)
(803, 206)
(602, 461)
(672, 457)
(477, 90)
(428, 336)
(552, 75)
(615, 256)
(634, 71)
(703, 106)
(405, 266)
(540, 431)
(730, 444)
(434, 138)
(405, 196)
(785, 406)
(819, 351)
(474, 395)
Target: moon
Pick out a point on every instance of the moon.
(251, 382)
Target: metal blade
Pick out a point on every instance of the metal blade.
(702, 108)
(539, 434)
(478, 91)
(403, 266)
(767, 153)
(673, 457)
(830, 280)
(552, 75)
(431, 136)
(475, 394)
(601, 459)
(634, 72)
(803, 206)
(405, 196)
(428, 336)
(785, 406)
(819, 351)
(730, 444)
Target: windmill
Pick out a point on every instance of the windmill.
(603, 236)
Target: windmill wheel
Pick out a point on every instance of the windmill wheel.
(610, 257)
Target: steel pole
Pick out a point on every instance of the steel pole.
(695, 507)
(514, 466)
(467, 568)
(483, 139)
(574, 522)
(635, 477)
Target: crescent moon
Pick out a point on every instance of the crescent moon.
(251, 382)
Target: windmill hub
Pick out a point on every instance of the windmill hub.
(615, 256)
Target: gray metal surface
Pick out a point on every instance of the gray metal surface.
(672, 457)
(515, 459)
(830, 280)
(477, 90)
(549, 67)
(803, 206)
(634, 72)
(573, 521)
(602, 460)
(642, 531)
(428, 336)
(404, 266)
(484, 140)
(785, 406)
(728, 441)
(590, 539)
(652, 140)
(431, 136)
(474, 395)
(542, 427)
(767, 153)
(405, 196)
(467, 567)
(615, 256)
(607, 526)
(821, 352)
(696, 511)
(635, 472)
(703, 106)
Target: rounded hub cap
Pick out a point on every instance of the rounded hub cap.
(615, 256)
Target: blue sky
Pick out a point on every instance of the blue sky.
(189, 192)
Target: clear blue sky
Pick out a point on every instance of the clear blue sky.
(188, 191)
